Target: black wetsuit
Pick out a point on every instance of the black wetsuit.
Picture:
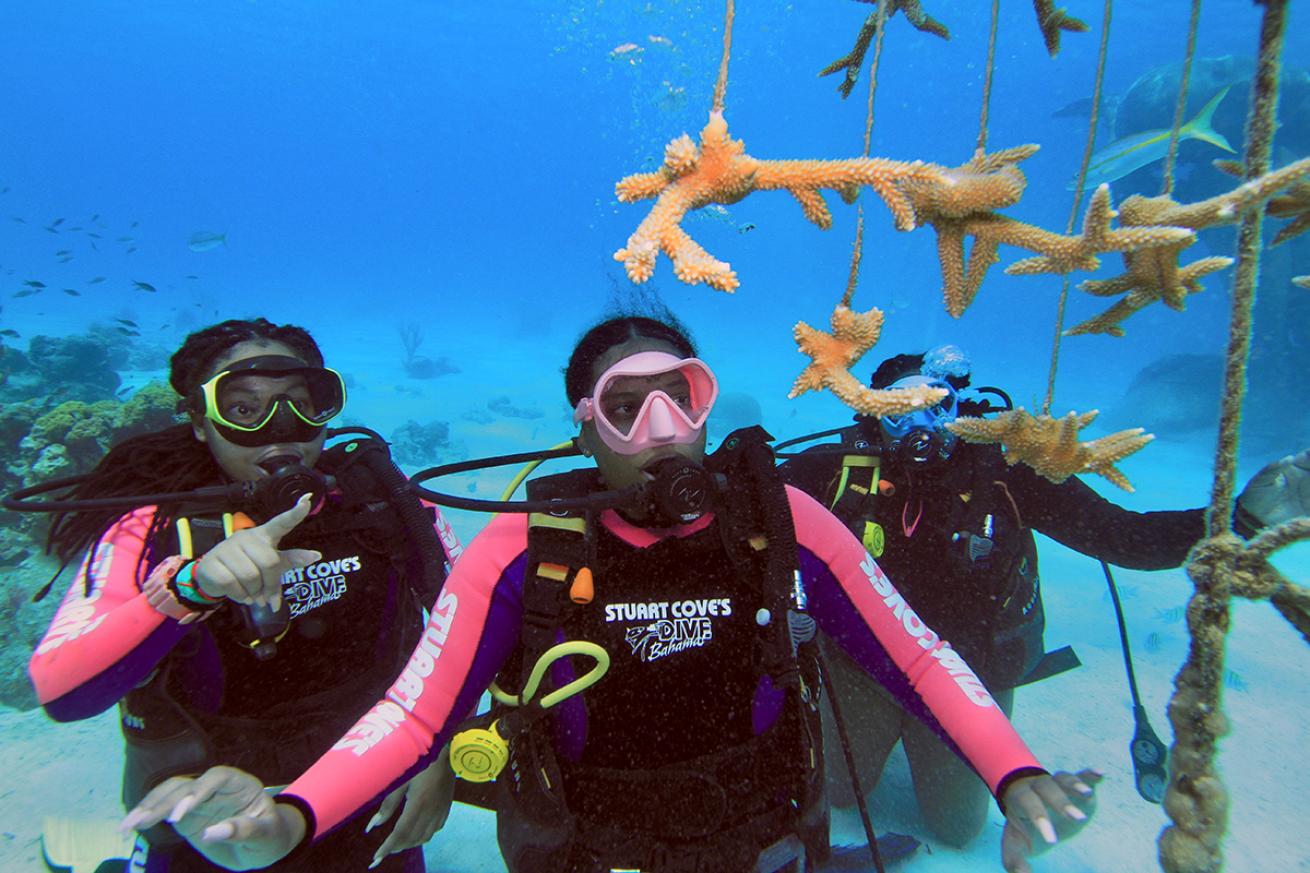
(984, 596)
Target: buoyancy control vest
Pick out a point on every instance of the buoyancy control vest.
(984, 547)
(356, 614)
(646, 789)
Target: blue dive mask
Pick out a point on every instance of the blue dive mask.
(921, 437)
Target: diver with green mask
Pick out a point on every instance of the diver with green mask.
(953, 524)
(246, 583)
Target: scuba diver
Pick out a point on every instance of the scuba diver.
(953, 524)
(261, 591)
(691, 586)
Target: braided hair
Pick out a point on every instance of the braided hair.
(172, 459)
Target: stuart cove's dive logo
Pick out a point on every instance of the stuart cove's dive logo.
(676, 625)
(306, 588)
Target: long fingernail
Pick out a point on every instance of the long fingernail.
(1075, 813)
(1047, 830)
(1083, 789)
(130, 821)
(184, 806)
(376, 861)
(1098, 774)
(275, 602)
(374, 821)
(215, 833)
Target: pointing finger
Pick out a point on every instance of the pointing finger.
(280, 525)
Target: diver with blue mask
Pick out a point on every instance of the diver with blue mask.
(953, 523)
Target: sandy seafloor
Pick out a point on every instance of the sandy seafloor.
(1078, 719)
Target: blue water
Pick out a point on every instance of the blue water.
(453, 165)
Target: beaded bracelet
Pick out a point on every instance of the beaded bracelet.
(183, 584)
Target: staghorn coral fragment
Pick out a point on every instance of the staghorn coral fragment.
(852, 61)
(720, 171)
(1294, 203)
(1052, 20)
(1154, 274)
(1050, 445)
(833, 354)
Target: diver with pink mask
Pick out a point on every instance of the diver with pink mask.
(647, 628)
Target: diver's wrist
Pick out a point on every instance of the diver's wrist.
(187, 589)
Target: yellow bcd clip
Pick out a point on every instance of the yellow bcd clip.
(874, 539)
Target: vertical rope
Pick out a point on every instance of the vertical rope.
(1168, 185)
(1259, 144)
(1077, 198)
(987, 81)
(721, 86)
(854, 276)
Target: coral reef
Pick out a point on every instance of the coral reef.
(1050, 445)
(1052, 20)
(422, 445)
(720, 171)
(832, 356)
(421, 366)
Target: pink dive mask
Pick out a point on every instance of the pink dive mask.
(650, 399)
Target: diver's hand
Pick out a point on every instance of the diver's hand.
(1041, 810)
(247, 567)
(1279, 492)
(427, 799)
(225, 815)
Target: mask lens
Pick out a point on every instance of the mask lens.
(248, 399)
(689, 388)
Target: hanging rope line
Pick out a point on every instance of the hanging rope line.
(858, 251)
(987, 80)
(1168, 185)
(1078, 196)
(721, 86)
(1259, 145)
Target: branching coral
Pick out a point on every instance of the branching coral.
(833, 354)
(1154, 274)
(1050, 445)
(1052, 20)
(852, 61)
(720, 171)
(961, 203)
(1294, 203)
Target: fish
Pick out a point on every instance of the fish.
(127, 331)
(96, 281)
(56, 222)
(1172, 615)
(93, 234)
(63, 252)
(125, 239)
(95, 218)
(65, 259)
(26, 292)
(52, 230)
(1153, 641)
(746, 228)
(19, 220)
(127, 321)
(145, 286)
(33, 283)
(1234, 680)
(6, 190)
(134, 224)
(1133, 152)
(131, 249)
(10, 332)
(201, 241)
(72, 292)
(192, 276)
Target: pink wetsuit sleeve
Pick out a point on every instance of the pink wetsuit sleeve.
(473, 627)
(104, 637)
(449, 539)
(858, 607)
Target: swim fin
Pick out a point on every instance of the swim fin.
(84, 845)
